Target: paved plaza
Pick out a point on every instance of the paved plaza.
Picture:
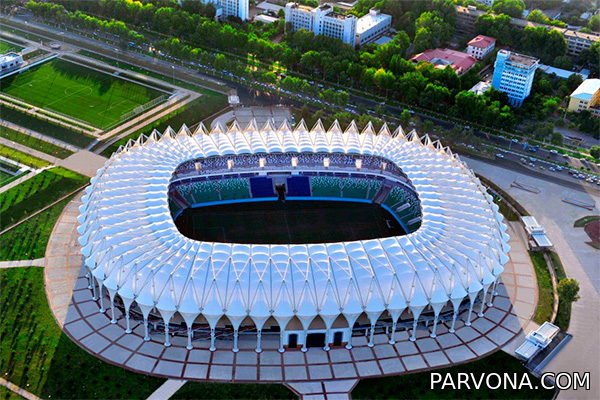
(311, 372)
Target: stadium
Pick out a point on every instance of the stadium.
(427, 244)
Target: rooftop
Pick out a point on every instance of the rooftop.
(482, 41)
(459, 61)
(8, 57)
(521, 59)
(586, 90)
(373, 18)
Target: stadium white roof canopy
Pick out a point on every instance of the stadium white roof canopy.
(133, 248)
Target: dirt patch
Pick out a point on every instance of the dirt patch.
(593, 231)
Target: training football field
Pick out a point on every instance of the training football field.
(289, 222)
(95, 97)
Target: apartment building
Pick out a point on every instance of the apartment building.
(227, 8)
(322, 20)
(481, 46)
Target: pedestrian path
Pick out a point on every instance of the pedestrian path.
(23, 263)
(27, 150)
(38, 135)
(25, 177)
(84, 162)
(167, 389)
(20, 391)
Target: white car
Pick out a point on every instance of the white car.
(552, 169)
(500, 155)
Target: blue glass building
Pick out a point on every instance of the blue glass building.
(513, 75)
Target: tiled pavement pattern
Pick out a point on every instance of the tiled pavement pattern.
(72, 304)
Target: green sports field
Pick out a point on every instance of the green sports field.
(6, 47)
(95, 97)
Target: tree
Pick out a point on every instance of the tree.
(405, 119)
(595, 152)
(568, 290)
(557, 138)
(514, 8)
(564, 62)
(594, 24)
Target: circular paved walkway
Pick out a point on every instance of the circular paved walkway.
(78, 315)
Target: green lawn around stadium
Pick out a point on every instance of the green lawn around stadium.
(95, 97)
(6, 47)
(418, 385)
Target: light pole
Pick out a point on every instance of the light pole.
(173, 69)
(27, 25)
(117, 52)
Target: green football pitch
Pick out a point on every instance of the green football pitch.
(288, 222)
(6, 47)
(95, 97)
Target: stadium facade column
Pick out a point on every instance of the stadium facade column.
(484, 295)
(494, 293)
(235, 341)
(394, 325)
(146, 336)
(189, 337)
(258, 339)
(95, 297)
(454, 315)
(102, 309)
(304, 340)
(212, 339)
(281, 336)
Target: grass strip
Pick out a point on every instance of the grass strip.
(545, 304)
(36, 193)
(22, 158)
(36, 355)
(34, 143)
(46, 127)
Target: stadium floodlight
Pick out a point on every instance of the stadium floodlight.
(229, 164)
(262, 162)
(198, 166)
(383, 166)
(326, 162)
(358, 163)
(294, 162)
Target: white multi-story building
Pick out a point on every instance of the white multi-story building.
(480, 46)
(322, 20)
(372, 26)
(226, 8)
(513, 75)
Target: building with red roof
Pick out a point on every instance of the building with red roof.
(480, 46)
(460, 62)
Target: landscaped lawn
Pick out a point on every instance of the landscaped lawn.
(581, 222)
(418, 385)
(28, 240)
(38, 357)
(543, 312)
(201, 390)
(77, 91)
(191, 114)
(21, 157)
(46, 127)
(36, 193)
(6, 47)
(34, 143)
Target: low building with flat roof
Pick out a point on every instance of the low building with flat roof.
(460, 62)
(372, 26)
(586, 97)
(10, 62)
